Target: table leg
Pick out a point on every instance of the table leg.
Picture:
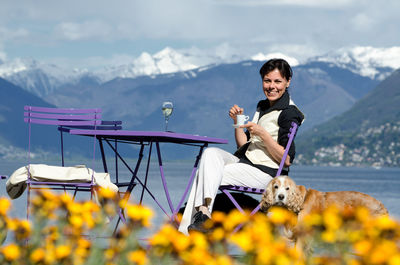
(194, 170)
(103, 156)
(147, 172)
(164, 182)
(134, 176)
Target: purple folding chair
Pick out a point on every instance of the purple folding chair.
(226, 188)
(104, 125)
(64, 118)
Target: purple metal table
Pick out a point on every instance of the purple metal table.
(143, 138)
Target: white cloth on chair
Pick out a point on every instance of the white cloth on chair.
(218, 167)
(16, 184)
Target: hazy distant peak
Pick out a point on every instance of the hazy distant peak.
(365, 61)
(266, 56)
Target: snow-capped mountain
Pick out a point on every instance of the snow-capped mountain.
(36, 77)
(375, 63)
(166, 61)
(42, 79)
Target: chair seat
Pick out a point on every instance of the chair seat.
(242, 189)
(124, 184)
(79, 177)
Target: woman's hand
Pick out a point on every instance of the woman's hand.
(235, 110)
(274, 149)
(254, 128)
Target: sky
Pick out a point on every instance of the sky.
(93, 33)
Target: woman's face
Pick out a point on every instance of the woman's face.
(274, 86)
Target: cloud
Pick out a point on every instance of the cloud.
(362, 22)
(307, 3)
(7, 34)
(226, 28)
(87, 30)
(264, 57)
(3, 56)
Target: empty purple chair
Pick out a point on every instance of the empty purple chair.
(63, 118)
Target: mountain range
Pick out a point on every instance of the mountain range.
(368, 134)
(323, 87)
(42, 78)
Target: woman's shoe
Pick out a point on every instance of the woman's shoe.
(198, 223)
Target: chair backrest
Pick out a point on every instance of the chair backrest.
(292, 133)
(63, 118)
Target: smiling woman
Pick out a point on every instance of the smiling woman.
(276, 79)
(261, 147)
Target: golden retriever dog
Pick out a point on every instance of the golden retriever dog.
(283, 191)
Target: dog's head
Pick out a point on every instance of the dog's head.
(283, 191)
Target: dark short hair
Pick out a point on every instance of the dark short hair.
(280, 64)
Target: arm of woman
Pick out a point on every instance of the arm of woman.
(240, 136)
(274, 149)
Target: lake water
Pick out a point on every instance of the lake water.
(383, 183)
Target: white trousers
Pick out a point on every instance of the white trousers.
(219, 167)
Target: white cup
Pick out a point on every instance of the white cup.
(241, 119)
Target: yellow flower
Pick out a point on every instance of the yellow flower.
(138, 257)
(328, 236)
(76, 221)
(197, 257)
(235, 218)
(354, 262)
(180, 242)
(218, 217)
(11, 252)
(84, 243)
(106, 193)
(264, 255)
(332, 218)
(140, 214)
(282, 260)
(74, 208)
(109, 253)
(363, 247)
(48, 195)
(363, 214)
(243, 240)
(37, 255)
(62, 251)
(23, 230)
(313, 219)
(218, 234)
(65, 198)
(12, 224)
(383, 252)
(385, 223)
(394, 260)
(199, 241)
(123, 203)
(280, 216)
(223, 260)
(90, 207)
(5, 205)
(162, 238)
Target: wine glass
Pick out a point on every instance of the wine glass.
(167, 108)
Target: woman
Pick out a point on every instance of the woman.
(260, 151)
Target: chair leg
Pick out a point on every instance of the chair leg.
(28, 202)
(227, 193)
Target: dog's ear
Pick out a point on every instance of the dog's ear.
(267, 199)
(297, 197)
